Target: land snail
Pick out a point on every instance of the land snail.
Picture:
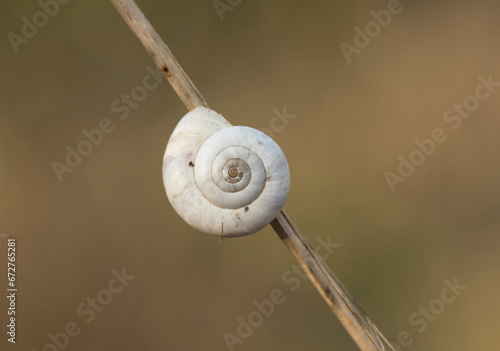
(221, 179)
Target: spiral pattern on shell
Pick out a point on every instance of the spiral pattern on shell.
(224, 180)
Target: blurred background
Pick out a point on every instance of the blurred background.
(353, 120)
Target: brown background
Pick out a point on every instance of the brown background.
(353, 121)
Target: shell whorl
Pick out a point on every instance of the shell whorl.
(224, 180)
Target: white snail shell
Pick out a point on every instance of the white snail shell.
(224, 180)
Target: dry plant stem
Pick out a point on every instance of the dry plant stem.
(352, 317)
(160, 53)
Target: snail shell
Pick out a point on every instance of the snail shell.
(224, 180)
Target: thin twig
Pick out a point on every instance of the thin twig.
(353, 318)
(160, 53)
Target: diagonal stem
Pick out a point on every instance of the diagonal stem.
(160, 53)
(351, 315)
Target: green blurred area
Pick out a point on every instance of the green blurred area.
(353, 121)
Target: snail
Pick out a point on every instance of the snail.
(221, 179)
